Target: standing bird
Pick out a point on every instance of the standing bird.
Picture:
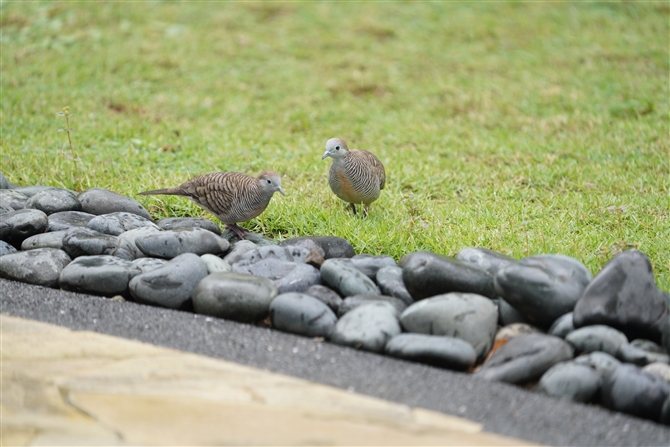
(231, 196)
(355, 176)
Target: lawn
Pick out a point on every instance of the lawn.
(524, 127)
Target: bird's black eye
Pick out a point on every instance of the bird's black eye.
(337, 148)
(269, 181)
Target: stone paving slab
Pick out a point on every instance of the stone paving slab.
(65, 387)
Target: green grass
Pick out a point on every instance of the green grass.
(522, 127)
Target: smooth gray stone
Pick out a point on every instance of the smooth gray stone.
(485, 259)
(5, 208)
(326, 295)
(101, 201)
(51, 239)
(169, 244)
(467, 316)
(215, 264)
(656, 351)
(347, 280)
(148, 264)
(100, 275)
(354, 301)
(624, 295)
(86, 242)
(30, 191)
(307, 244)
(129, 238)
(507, 314)
(234, 296)
(119, 222)
(658, 369)
(6, 248)
(596, 338)
(332, 247)
(41, 266)
(368, 327)
(370, 265)
(301, 314)
(4, 183)
(562, 326)
(68, 219)
(239, 248)
(543, 287)
(514, 330)
(287, 276)
(171, 285)
(389, 280)
(602, 362)
(54, 200)
(179, 223)
(570, 381)
(438, 350)
(665, 412)
(17, 226)
(525, 358)
(428, 274)
(13, 199)
(629, 353)
(257, 239)
(283, 253)
(630, 390)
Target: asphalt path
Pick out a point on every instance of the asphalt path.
(501, 408)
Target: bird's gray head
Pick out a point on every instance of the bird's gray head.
(270, 182)
(335, 148)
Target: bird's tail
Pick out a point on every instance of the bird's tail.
(168, 191)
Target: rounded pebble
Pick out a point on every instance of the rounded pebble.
(467, 316)
(346, 279)
(301, 314)
(234, 296)
(17, 226)
(570, 381)
(101, 275)
(171, 285)
(54, 200)
(446, 352)
(597, 338)
(169, 244)
(368, 327)
(41, 266)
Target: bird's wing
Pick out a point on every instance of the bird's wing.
(376, 165)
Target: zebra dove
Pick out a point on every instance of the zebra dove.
(355, 176)
(231, 196)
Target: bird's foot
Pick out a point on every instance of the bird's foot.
(353, 207)
(239, 231)
(365, 211)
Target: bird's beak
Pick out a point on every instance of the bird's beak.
(326, 155)
(281, 191)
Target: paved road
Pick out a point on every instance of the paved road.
(501, 408)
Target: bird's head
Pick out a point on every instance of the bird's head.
(270, 182)
(335, 148)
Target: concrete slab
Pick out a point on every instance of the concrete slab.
(65, 387)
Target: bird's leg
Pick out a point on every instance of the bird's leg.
(239, 231)
(353, 207)
(366, 208)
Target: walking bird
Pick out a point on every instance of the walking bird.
(355, 176)
(231, 196)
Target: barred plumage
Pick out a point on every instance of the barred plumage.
(355, 176)
(231, 196)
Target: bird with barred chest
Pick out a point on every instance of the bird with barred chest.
(231, 196)
(355, 176)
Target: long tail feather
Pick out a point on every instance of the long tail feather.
(168, 191)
